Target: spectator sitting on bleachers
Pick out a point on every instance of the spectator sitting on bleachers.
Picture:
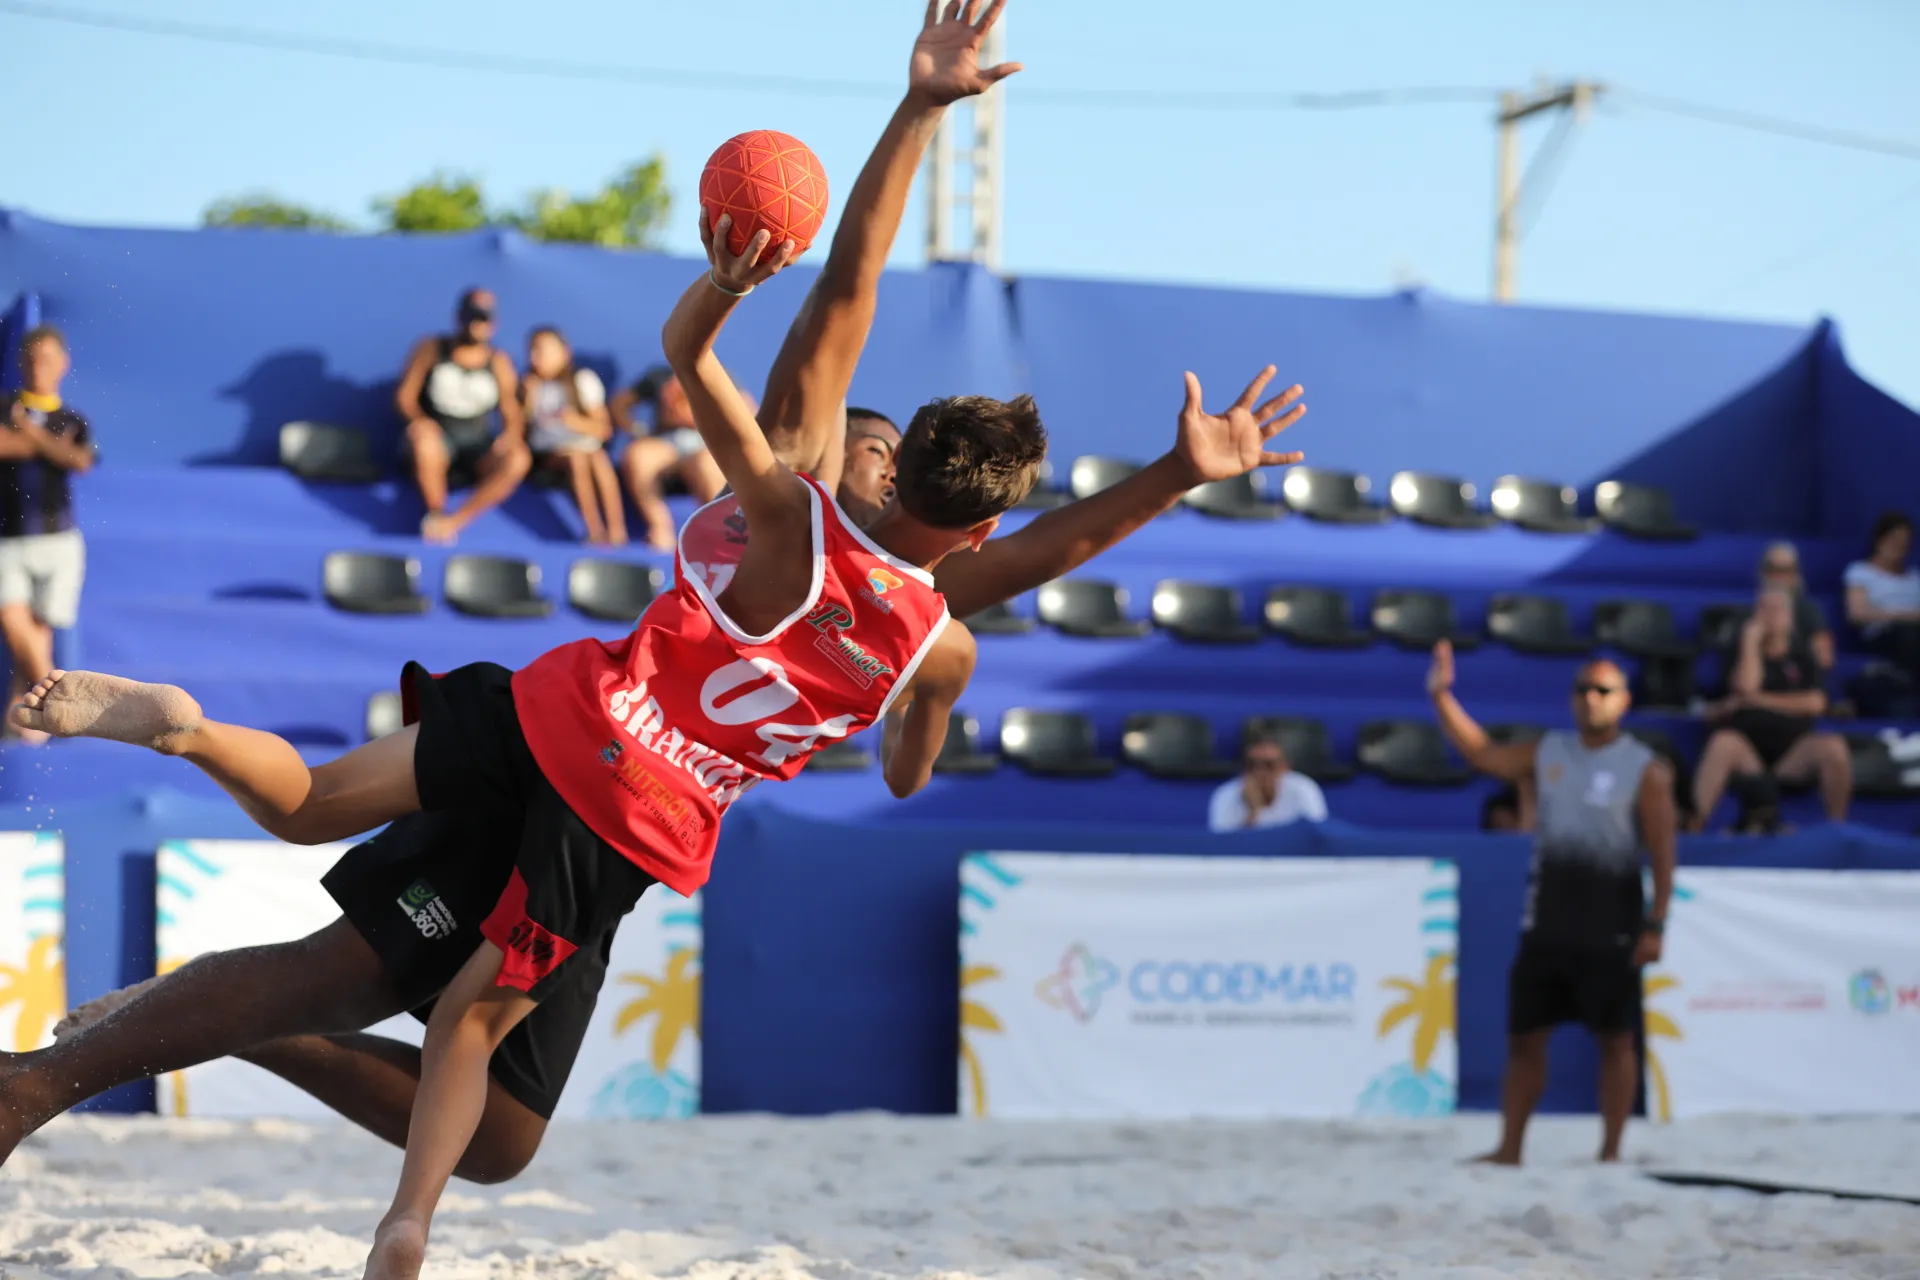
(1780, 567)
(1765, 723)
(453, 385)
(1883, 594)
(42, 557)
(673, 448)
(568, 430)
(1269, 793)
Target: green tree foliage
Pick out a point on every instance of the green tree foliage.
(262, 210)
(628, 213)
(444, 202)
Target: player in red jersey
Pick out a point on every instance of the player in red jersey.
(615, 761)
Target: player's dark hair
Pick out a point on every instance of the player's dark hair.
(967, 459)
(569, 378)
(1253, 740)
(1889, 522)
(42, 333)
(869, 415)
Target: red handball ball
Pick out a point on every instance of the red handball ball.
(766, 179)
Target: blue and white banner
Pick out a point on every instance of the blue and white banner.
(1788, 993)
(33, 915)
(1097, 987)
(641, 1055)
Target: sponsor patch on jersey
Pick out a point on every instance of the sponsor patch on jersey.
(879, 582)
(833, 623)
(430, 915)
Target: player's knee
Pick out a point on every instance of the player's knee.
(428, 442)
(494, 1157)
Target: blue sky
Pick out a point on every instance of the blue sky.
(1650, 211)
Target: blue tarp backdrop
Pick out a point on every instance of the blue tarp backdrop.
(831, 966)
(195, 346)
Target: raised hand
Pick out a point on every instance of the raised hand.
(1220, 447)
(752, 267)
(1440, 674)
(946, 58)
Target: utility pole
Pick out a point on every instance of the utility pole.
(963, 184)
(1574, 97)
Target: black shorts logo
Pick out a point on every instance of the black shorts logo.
(429, 914)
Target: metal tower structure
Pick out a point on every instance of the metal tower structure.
(963, 182)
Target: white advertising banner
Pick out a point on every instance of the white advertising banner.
(1786, 992)
(641, 1056)
(33, 914)
(1097, 987)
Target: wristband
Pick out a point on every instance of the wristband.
(1653, 924)
(714, 280)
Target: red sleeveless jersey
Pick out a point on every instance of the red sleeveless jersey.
(651, 737)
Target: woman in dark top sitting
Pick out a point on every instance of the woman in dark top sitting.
(452, 387)
(1765, 723)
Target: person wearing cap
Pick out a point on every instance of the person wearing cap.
(453, 387)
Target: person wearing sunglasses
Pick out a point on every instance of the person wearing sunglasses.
(1603, 804)
(1763, 730)
(1780, 567)
(453, 386)
(1268, 792)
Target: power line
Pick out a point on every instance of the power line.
(1812, 248)
(514, 64)
(1768, 124)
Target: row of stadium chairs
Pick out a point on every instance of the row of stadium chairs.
(1321, 617)
(319, 451)
(486, 586)
(1180, 746)
(1445, 502)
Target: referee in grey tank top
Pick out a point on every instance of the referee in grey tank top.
(1601, 800)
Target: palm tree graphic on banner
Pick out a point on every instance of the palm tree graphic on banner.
(38, 987)
(1661, 1024)
(1414, 1088)
(975, 1016)
(654, 1090)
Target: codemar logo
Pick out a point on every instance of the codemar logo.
(1080, 984)
(1868, 992)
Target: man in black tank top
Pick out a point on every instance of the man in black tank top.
(451, 390)
(1601, 800)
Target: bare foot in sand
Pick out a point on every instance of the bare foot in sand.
(99, 1007)
(1499, 1158)
(87, 704)
(399, 1249)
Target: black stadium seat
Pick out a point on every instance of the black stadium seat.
(1643, 628)
(1314, 616)
(1056, 743)
(1202, 612)
(1086, 607)
(384, 714)
(364, 582)
(320, 451)
(1875, 771)
(1411, 752)
(998, 620)
(1091, 474)
(494, 587)
(1336, 496)
(612, 590)
(1441, 501)
(1173, 745)
(1720, 626)
(1043, 496)
(839, 757)
(961, 752)
(1240, 498)
(1539, 506)
(1641, 511)
(1418, 620)
(1308, 745)
(1534, 624)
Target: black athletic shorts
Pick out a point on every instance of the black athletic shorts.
(417, 893)
(468, 442)
(1599, 988)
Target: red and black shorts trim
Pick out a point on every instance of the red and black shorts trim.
(568, 889)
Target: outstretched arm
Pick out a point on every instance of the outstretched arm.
(1512, 761)
(1208, 447)
(807, 388)
(770, 493)
(911, 741)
